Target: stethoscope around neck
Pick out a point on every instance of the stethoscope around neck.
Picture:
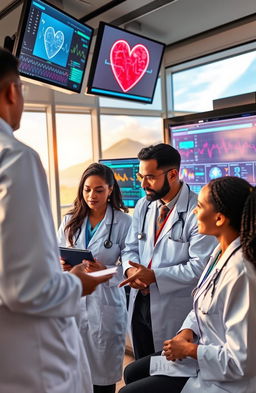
(108, 242)
(142, 235)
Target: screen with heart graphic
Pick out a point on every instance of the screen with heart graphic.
(52, 46)
(125, 65)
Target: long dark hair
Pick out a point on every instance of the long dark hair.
(236, 199)
(80, 208)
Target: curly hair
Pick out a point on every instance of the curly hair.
(236, 199)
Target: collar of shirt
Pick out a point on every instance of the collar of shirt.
(170, 204)
(5, 127)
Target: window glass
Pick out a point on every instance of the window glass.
(156, 104)
(33, 132)
(194, 89)
(74, 153)
(124, 136)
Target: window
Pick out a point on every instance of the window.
(196, 87)
(124, 136)
(33, 132)
(74, 153)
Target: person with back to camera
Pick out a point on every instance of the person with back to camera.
(168, 252)
(97, 222)
(40, 345)
(220, 330)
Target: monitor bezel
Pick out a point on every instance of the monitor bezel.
(234, 112)
(120, 159)
(213, 115)
(19, 40)
(95, 58)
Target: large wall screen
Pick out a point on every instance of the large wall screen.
(212, 147)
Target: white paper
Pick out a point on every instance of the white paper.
(104, 272)
(187, 367)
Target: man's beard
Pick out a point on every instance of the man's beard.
(158, 194)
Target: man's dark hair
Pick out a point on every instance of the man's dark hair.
(165, 155)
(8, 64)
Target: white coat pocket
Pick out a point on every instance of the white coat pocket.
(112, 325)
(109, 256)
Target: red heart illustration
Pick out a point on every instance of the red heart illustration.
(128, 65)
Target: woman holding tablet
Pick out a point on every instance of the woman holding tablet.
(98, 222)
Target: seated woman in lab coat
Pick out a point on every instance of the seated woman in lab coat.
(98, 222)
(219, 333)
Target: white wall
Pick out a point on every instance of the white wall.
(216, 40)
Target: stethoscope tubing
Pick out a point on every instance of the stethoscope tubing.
(107, 243)
(142, 236)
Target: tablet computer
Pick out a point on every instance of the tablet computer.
(74, 256)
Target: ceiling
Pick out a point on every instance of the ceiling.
(168, 21)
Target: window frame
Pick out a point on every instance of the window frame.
(204, 60)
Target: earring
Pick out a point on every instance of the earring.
(108, 199)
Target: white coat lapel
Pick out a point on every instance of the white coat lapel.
(201, 286)
(148, 249)
(152, 214)
(223, 259)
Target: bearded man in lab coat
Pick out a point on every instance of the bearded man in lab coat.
(41, 349)
(164, 254)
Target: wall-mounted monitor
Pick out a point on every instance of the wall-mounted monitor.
(52, 46)
(215, 143)
(125, 172)
(125, 65)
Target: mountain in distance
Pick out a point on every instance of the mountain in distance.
(70, 177)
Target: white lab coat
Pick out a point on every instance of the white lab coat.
(178, 259)
(103, 314)
(224, 319)
(40, 345)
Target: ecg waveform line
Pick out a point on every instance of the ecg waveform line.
(186, 153)
(78, 52)
(222, 148)
(122, 178)
(226, 147)
(30, 66)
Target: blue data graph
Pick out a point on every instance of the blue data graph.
(53, 40)
(217, 148)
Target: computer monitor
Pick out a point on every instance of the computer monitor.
(52, 46)
(125, 172)
(124, 65)
(215, 143)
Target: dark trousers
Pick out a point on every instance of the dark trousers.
(141, 327)
(104, 388)
(138, 380)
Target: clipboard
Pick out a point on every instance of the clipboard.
(74, 256)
